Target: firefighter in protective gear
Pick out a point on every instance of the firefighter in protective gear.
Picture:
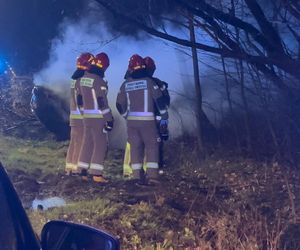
(136, 102)
(76, 117)
(162, 124)
(97, 119)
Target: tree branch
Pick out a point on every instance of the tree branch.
(266, 27)
(287, 64)
(292, 8)
(227, 18)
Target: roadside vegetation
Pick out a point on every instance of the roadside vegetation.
(222, 202)
(31, 155)
(232, 178)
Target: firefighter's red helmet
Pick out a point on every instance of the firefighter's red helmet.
(101, 60)
(136, 62)
(149, 63)
(84, 61)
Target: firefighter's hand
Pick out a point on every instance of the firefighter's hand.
(108, 126)
(163, 129)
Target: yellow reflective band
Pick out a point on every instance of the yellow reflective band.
(140, 118)
(69, 165)
(76, 117)
(139, 67)
(127, 170)
(99, 65)
(81, 67)
(92, 116)
(74, 167)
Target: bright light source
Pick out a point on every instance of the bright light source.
(2, 66)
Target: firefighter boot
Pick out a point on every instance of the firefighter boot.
(75, 171)
(99, 179)
(139, 177)
(84, 175)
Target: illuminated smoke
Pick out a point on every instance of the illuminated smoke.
(89, 34)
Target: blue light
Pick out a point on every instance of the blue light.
(2, 66)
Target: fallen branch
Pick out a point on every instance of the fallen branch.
(19, 124)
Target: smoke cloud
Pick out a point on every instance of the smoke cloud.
(90, 35)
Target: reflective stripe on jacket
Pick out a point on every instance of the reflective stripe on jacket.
(94, 94)
(138, 98)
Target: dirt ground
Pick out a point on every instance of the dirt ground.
(220, 203)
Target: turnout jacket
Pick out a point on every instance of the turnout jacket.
(94, 96)
(75, 113)
(138, 99)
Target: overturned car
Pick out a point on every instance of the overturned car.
(52, 110)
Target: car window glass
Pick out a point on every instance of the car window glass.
(8, 239)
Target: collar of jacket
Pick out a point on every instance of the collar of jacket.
(77, 74)
(95, 70)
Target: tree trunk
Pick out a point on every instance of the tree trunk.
(237, 138)
(240, 68)
(198, 93)
(258, 85)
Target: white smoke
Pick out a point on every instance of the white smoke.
(89, 35)
(73, 39)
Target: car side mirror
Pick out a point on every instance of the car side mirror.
(59, 235)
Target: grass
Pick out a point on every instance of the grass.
(85, 212)
(135, 225)
(32, 155)
(219, 203)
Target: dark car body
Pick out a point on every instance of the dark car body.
(52, 110)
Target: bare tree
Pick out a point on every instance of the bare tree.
(197, 83)
(263, 36)
(262, 45)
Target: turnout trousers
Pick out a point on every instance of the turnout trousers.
(75, 145)
(144, 142)
(94, 146)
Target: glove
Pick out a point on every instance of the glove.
(163, 129)
(108, 126)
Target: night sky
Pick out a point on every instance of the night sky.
(44, 38)
(27, 28)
